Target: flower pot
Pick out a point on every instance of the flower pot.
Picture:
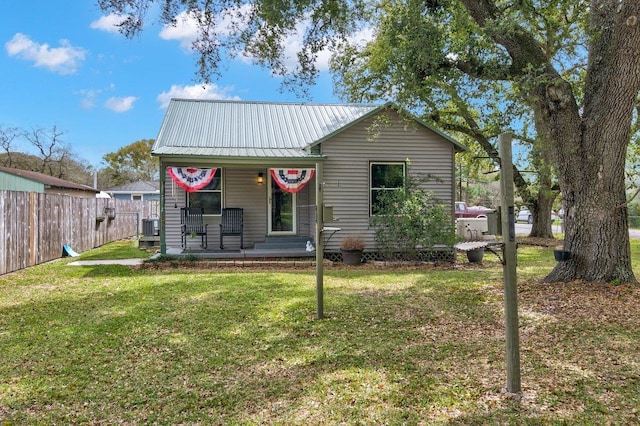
(475, 255)
(561, 255)
(110, 212)
(351, 257)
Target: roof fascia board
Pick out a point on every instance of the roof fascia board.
(239, 161)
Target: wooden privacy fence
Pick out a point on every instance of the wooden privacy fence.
(34, 227)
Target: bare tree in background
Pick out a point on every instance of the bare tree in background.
(8, 136)
(42, 150)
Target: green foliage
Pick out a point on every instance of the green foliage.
(132, 163)
(410, 220)
(446, 68)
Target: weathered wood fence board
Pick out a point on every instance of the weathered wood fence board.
(35, 226)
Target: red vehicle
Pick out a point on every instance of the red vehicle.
(462, 210)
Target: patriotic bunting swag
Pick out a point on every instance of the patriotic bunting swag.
(292, 180)
(191, 179)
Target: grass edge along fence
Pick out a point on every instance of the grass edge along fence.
(35, 226)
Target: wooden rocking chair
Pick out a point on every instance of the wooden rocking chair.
(232, 225)
(191, 225)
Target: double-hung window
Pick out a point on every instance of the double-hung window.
(209, 197)
(384, 177)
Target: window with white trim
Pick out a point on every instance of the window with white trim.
(209, 197)
(384, 177)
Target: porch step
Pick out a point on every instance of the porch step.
(283, 243)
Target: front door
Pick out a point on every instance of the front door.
(282, 210)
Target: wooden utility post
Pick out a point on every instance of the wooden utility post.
(319, 242)
(509, 266)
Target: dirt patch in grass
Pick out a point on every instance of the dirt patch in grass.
(539, 242)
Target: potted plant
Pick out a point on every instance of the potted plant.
(352, 247)
(560, 254)
(475, 255)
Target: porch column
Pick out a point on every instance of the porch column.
(319, 243)
(163, 202)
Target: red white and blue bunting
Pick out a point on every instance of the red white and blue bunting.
(292, 180)
(191, 179)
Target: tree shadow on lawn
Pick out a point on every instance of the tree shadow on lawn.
(222, 346)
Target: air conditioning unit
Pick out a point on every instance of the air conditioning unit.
(150, 227)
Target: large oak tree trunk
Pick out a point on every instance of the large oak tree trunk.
(588, 144)
(590, 148)
(541, 211)
(542, 204)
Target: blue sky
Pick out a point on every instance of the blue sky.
(64, 64)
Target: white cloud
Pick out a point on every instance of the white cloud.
(228, 21)
(108, 23)
(197, 91)
(293, 44)
(120, 104)
(89, 97)
(295, 41)
(65, 59)
(88, 100)
(185, 29)
(362, 37)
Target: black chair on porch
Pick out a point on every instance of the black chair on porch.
(232, 225)
(191, 225)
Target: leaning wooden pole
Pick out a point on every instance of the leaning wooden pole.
(509, 266)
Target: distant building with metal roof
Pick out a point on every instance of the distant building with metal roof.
(140, 190)
(26, 180)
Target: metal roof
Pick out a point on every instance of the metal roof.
(259, 130)
(251, 129)
(139, 186)
(48, 181)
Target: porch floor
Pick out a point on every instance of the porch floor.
(247, 253)
(271, 248)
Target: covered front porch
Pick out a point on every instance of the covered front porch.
(277, 221)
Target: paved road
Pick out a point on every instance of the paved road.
(525, 228)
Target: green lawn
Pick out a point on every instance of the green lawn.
(109, 345)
